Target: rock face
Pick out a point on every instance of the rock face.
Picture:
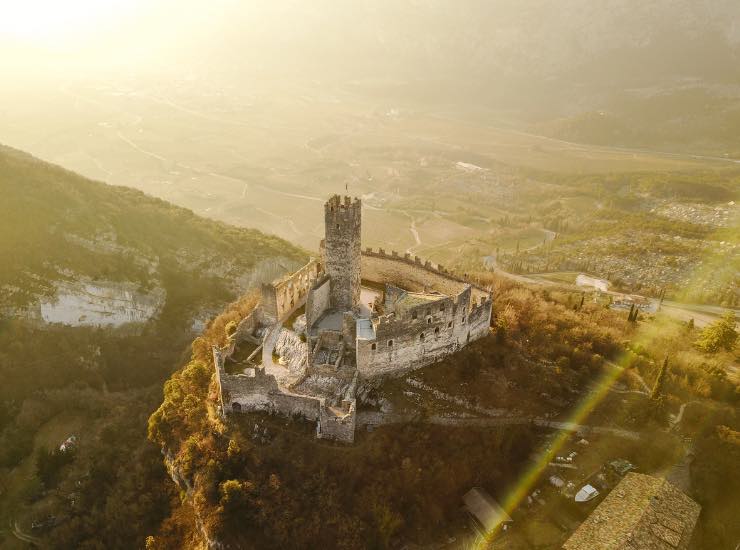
(101, 304)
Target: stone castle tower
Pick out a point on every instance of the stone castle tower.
(342, 248)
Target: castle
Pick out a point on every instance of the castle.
(343, 320)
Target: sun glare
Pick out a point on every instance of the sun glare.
(51, 22)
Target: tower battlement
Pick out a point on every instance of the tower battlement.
(342, 249)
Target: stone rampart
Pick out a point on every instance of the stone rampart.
(411, 272)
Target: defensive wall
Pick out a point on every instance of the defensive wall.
(318, 300)
(412, 337)
(413, 273)
(281, 297)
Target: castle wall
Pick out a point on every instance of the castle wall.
(290, 404)
(318, 300)
(246, 327)
(342, 250)
(281, 297)
(409, 272)
(337, 426)
(447, 325)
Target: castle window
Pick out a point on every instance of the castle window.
(373, 346)
(421, 336)
(337, 226)
(413, 315)
(390, 343)
(429, 320)
(436, 331)
(449, 325)
(463, 319)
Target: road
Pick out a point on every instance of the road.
(370, 418)
(702, 315)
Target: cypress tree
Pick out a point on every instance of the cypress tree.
(658, 386)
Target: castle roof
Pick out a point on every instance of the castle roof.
(641, 513)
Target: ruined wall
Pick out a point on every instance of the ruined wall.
(249, 392)
(246, 327)
(340, 427)
(342, 250)
(290, 404)
(318, 300)
(409, 272)
(259, 392)
(440, 328)
(281, 297)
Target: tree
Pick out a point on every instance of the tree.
(719, 335)
(658, 386)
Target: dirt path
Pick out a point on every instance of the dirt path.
(414, 232)
(20, 535)
(371, 418)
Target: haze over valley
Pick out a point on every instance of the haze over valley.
(524, 308)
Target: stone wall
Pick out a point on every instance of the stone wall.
(318, 300)
(342, 250)
(250, 391)
(246, 327)
(281, 297)
(442, 327)
(409, 272)
(258, 391)
(337, 426)
(291, 404)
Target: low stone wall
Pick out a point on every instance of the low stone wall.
(290, 404)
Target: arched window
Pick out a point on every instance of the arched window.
(236, 407)
(373, 347)
(436, 331)
(449, 325)
(390, 343)
(421, 336)
(429, 320)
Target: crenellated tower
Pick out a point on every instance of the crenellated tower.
(341, 250)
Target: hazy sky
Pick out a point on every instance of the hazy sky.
(471, 39)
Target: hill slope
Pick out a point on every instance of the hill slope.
(125, 274)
